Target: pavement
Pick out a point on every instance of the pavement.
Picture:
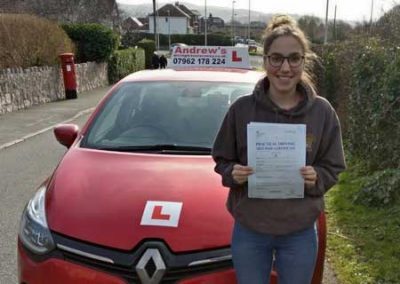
(18, 126)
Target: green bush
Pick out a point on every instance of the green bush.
(27, 40)
(332, 78)
(94, 42)
(149, 48)
(131, 39)
(388, 26)
(334, 75)
(380, 189)
(360, 78)
(124, 62)
(374, 105)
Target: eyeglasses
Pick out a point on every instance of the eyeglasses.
(294, 60)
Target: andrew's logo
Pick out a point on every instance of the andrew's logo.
(199, 50)
(161, 213)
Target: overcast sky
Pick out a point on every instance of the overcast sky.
(356, 10)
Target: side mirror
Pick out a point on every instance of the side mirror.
(66, 134)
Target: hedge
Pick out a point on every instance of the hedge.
(27, 41)
(94, 42)
(123, 62)
(374, 105)
(149, 48)
(334, 75)
(361, 78)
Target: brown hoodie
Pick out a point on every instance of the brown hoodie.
(324, 153)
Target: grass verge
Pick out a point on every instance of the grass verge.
(363, 242)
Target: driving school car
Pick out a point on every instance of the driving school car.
(135, 198)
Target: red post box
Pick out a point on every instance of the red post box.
(68, 69)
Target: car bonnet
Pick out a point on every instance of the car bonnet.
(118, 200)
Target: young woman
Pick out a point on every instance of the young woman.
(283, 229)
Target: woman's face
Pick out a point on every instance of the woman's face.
(284, 63)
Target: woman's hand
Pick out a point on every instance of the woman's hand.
(310, 176)
(240, 173)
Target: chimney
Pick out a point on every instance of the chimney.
(177, 3)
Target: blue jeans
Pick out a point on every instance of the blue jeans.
(293, 256)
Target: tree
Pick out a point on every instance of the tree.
(313, 27)
(340, 31)
(388, 26)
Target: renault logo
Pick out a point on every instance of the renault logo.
(151, 267)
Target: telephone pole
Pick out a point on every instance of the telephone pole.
(370, 19)
(233, 22)
(334, 25)
(205, 22)
(155, 24)
(248, 28)
(326, 23)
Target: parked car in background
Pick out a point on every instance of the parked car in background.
(252, 45)
(135, 199)
(171, 48)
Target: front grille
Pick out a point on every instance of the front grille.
(129, 274)
(124, 265)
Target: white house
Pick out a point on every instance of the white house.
(171, 19)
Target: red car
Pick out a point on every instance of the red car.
(135, 199)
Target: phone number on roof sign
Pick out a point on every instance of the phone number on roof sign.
(199, 61)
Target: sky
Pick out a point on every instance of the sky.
(350, 10)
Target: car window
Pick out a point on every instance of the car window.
(160, 113)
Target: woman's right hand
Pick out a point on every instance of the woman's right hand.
(240, 173)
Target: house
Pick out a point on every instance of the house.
(213, 24)
(65, 11)
(133, 24)
(194, 16)
(174, 19)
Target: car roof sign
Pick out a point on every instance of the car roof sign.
(210, 56)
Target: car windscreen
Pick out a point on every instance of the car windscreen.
(170, 116)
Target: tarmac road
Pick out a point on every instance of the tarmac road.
(28, 154)
(24, 167)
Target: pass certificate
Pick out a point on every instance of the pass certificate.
(276, 152)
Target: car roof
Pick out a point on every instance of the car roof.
(196, 74)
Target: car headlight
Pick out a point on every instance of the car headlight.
(34, 232)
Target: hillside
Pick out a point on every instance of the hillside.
(242, 15)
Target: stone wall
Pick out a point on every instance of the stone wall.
(91, 75)
(22, 88)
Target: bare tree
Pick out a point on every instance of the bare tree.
(312, 27)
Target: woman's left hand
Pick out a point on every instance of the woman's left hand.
(310, 176)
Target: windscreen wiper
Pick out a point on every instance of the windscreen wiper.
(160, 148)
